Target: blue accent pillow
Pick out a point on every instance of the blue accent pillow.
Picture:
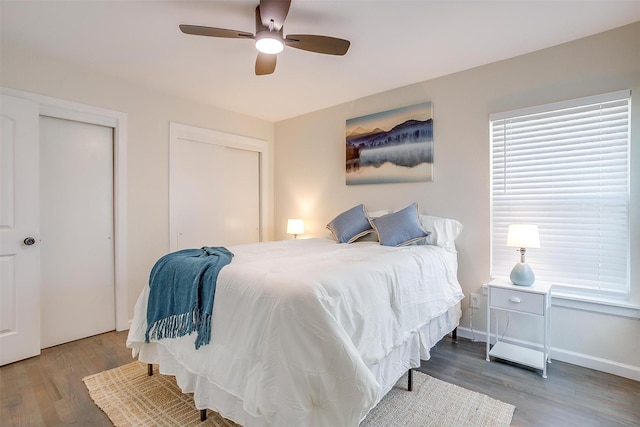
(400, 228)
(350, 225)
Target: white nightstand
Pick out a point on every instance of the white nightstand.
(532, 300)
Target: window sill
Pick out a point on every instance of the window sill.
(596, 305)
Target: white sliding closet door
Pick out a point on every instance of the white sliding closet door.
(197, 180)
(215, 193)
(242, 197)
(77, 231)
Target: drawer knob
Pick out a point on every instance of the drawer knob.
(515, 300)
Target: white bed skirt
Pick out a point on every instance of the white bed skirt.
(387, 372)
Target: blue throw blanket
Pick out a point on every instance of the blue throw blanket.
(182, 288)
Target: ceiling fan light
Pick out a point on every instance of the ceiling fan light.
(269, 44)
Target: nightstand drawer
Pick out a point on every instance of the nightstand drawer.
(525, 302)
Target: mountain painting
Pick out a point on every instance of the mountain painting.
(391, 146)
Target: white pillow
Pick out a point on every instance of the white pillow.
(377, 214)
(443, 231)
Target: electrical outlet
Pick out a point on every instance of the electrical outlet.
(474, 301)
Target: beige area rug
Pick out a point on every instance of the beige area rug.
(130, 397)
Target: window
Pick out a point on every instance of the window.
(565, 167)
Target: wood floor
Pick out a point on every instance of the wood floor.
(48, 391)
(569, 396)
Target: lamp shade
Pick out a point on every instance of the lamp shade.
(295, 226)
(523, 236)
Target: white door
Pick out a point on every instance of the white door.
(197, 186)
(215, 194)
(19, 220)
(242, 196)
(76, 223)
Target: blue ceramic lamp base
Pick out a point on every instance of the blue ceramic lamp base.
(522, 275)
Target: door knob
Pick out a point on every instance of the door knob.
(29, 241)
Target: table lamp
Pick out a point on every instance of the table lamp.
(523, 236)
(295, 227)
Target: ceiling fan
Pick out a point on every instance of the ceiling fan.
(270, 41)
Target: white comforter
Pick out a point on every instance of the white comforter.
(297, 324)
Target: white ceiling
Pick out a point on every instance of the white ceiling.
(393, 43)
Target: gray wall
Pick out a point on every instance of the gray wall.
(309, 174)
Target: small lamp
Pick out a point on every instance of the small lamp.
(295, 227)
(523, 236)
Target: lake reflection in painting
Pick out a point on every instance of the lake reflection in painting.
(391, 146)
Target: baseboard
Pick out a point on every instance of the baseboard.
(562, 355)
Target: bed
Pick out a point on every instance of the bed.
(310, 332)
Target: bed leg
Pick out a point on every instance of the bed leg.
(410, 380)
(149, 369)
(454, 335)
(203, 415)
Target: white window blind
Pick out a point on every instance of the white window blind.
(565, 167)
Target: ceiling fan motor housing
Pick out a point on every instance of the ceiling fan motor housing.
(268, 39)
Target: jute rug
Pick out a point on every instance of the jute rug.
(130, 397)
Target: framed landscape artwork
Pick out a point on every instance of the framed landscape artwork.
(391, 146)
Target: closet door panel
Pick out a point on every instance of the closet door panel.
(242, 196)
(198, 184)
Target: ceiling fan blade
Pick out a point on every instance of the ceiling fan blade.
(265, 64)
(275, 10)
(319, 44)
(214, 32)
